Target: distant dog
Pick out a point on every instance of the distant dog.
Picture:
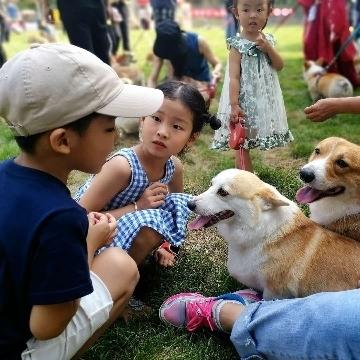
(125, 69)
(272, 245)
(332, 178)
(322, 84)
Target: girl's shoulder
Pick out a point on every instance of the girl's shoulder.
(271, 38)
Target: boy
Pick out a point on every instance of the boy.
(61, 102)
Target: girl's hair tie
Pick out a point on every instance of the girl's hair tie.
(212, 120)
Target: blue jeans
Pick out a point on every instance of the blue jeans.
(321, 326)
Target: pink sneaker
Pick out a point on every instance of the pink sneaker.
(190, 310)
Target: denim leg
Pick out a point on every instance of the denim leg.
(321, 326)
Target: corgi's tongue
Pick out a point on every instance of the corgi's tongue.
(199, 222)
(307, 195)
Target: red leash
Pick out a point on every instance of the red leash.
(237, 139)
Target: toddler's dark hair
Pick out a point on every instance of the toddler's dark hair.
(270, 3)
(28, 143)
(193, 100)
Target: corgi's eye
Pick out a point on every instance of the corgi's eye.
(341, 163)
(222, 192)
(317, 151)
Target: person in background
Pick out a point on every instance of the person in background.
(122, 7)
(85, 22)
(232, 24)
(163, 10)
(324, 109)
(189, 56)
(326, 30)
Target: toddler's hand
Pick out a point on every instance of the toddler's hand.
(153, 196)
(102, 229)
(262, 43)
(236, 113)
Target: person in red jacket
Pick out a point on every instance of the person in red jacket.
(326, 30)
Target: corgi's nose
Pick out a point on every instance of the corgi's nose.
(191, 205)
(307, 176)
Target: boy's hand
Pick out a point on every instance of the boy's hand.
(102, 229)
(236, 113)
(153, 196)
(262, 43)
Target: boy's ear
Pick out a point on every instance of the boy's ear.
(59, 141)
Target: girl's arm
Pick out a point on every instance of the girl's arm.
(205, 49)
(114, 177)
(234, 84)
(177, 182)
(154, 75)
(264, 45)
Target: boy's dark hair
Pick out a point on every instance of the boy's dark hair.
(190, 97)
(28, 143)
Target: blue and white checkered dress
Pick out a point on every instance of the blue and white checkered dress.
(169, 220)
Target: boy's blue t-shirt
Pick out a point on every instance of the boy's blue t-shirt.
(43, 254)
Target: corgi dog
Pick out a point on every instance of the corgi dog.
(322, 84)
(272, 246)
(125, 69)
(332, 186)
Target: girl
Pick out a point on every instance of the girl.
(142, 186)
(251, 94)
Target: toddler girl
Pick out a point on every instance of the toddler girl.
(142, 186)
(251, 96)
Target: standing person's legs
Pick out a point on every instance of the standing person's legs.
(124, 26)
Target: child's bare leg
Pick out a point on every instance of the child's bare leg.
(119, 273)
(145, 242)
(246, 160)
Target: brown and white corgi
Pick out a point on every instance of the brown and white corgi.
(322, 84)
(272, 245)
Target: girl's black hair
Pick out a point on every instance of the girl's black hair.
(28, 143)
(270, 3)
(193, 100)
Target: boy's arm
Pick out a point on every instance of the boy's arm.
(49, 321)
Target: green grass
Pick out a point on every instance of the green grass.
(202, 262)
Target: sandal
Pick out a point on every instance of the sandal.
(166, 248)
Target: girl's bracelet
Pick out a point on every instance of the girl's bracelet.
(135, 206)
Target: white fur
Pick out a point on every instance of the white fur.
(253, 225)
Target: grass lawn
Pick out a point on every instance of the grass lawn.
(202, 262)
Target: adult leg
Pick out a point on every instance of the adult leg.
(120, 275)
(321, 326)
(77, 27)
(124, 26)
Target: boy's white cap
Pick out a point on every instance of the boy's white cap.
(51, 85)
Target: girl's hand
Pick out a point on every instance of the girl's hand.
(262, 43)
(236, 113)
(102, 229)
(153, 196)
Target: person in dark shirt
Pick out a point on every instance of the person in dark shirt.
(56, 297)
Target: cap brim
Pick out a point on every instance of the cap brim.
(134, 101)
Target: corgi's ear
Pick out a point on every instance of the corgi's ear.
(306, 64)
(320, 61)
(270, 200)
